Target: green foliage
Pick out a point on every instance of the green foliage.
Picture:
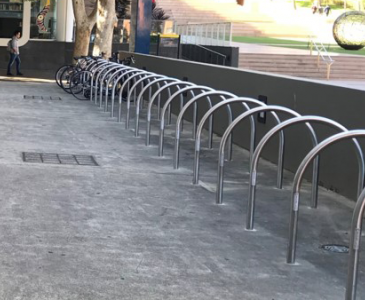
(158, 13)
(122, 8)
(335, 4)
(303, 45)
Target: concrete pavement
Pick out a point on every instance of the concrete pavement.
(133, 228)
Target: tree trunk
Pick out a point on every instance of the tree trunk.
(132, 35)
(84, 25)
(106, 21)
(82, 41)
(361, 6)
(294, 5)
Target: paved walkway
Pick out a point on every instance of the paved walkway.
(133, 228)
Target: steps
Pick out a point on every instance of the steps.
(256, 18)
(209, 11)
(270, 29)
(344, 67)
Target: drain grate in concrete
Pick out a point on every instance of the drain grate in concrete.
(42, 97)
(335, 248)
(59, 159)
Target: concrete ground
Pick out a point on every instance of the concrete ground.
(134, 228)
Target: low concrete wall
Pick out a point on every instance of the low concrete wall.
(347, 106)
(46, 55)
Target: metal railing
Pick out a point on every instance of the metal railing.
(203, 54)
(321, 54)
(212, 34)
(136, 83)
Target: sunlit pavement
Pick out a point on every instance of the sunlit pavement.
(135, 228)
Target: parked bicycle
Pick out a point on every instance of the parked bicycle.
(78, 79)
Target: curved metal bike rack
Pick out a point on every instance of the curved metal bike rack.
(94, 80)
(148, 86)
(103, 79)
(127, 82)
(356, 229)
(294, 212)
(222, 95)
(99, 70)
(114, 85)
(168, 102)
(117, 81)
(91, 65)
(272, 108)
(93, 69)
(133, 88)
(227, 103)
(100, 76)
(158, 96)
(280, 128)
(94, 63)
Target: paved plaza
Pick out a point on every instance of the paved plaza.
(133, 228)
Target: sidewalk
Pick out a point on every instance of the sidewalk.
(133, 228)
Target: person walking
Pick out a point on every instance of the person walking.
(315, 6)
(13, 49)
(327, 10)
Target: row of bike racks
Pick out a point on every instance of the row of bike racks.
(109, 80)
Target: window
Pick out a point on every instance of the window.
(43, 19)
(11, 17)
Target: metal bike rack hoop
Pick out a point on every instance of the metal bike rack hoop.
(112, 69)
(127, 81)
(140, 95)
(272, 109)
(221, 94)
(227, 102)
(130, 71)
(294, 212)
(202, 88)
(158, 94)
(112, 77)
(134, 87)
(269, 135)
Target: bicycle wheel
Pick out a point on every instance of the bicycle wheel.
(65, 78)
(80, 85)
(59, 73)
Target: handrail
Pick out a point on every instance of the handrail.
(321, 52)
(224, 57)
(210, 50)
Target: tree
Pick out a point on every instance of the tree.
(122, 8)
(105, 22)
(294, 4)
(158, 16)
(360, 5)
(84, 26)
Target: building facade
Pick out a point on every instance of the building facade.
(43, 20)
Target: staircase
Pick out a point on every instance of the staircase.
(255, 18)
(344, 68)
(202, 11)
(271, 29)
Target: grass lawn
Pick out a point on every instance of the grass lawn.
(293, 44)
(332, 4)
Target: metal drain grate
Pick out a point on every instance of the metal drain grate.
(42, 97)
(59, 159)
(335, 248)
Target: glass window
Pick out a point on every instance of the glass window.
(43, 19)
(11, 17)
